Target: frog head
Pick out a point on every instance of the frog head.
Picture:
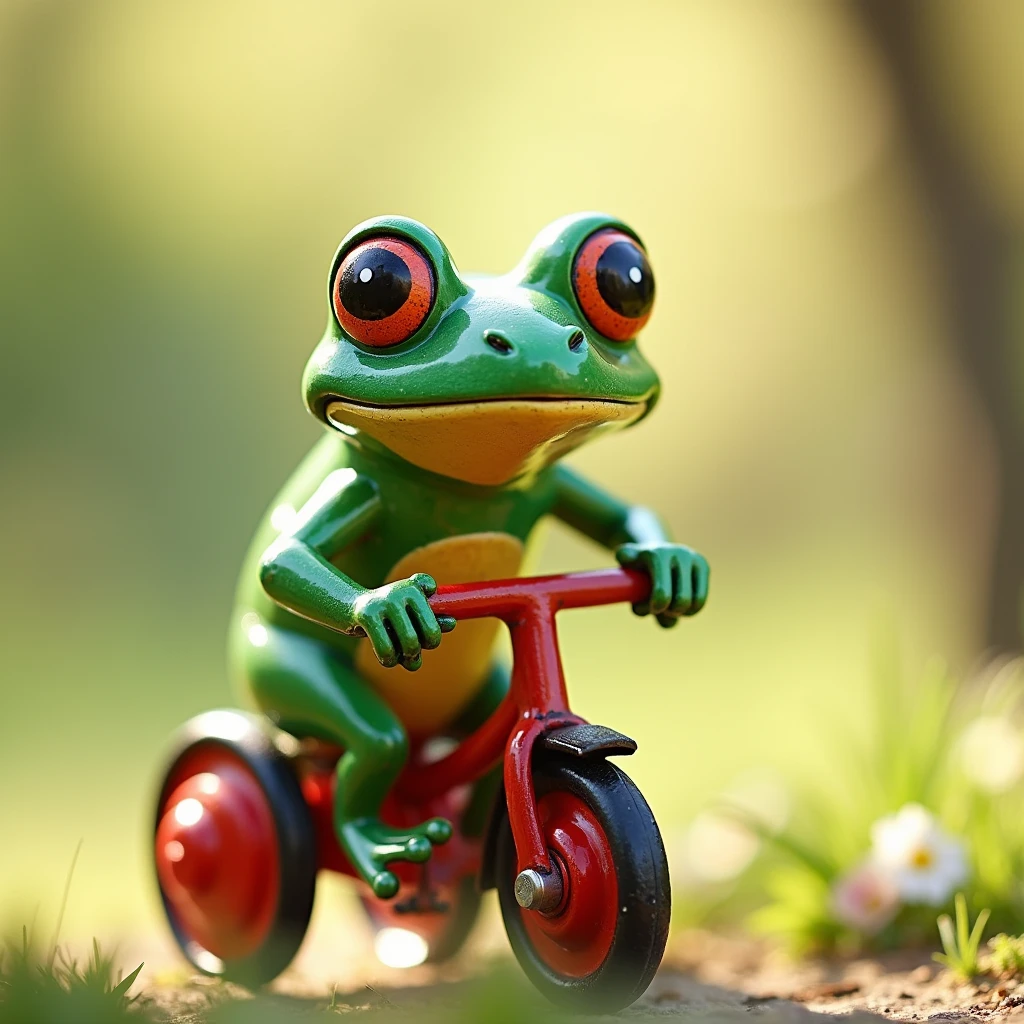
(486, 380)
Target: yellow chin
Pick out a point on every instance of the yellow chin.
(488, 442)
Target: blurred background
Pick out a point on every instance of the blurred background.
(832, 196)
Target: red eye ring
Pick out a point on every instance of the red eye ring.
(383, 291)
(611, 270)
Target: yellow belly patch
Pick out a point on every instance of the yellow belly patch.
(451, 675)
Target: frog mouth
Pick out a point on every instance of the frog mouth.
(490, 441)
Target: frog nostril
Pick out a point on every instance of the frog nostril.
(498, 342)
(576, 340)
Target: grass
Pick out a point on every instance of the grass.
(914, 750)
(56, 987)
(52, 987)
(1006, 956)
(37, 988)
(960, 946)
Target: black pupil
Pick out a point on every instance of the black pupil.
(375, 284)
(624, 280)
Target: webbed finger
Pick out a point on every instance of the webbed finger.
(682, 586)
(627, 554)
(380, 640)
(660, 570)
(643, 561)
(424, 621)
(701, 580)
(425, 582)
(399, 626)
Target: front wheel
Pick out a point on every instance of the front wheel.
(600, 948)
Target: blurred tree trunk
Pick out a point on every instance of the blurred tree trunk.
(976, 247)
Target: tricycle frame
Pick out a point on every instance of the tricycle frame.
(537, 701)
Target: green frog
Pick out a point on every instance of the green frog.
(447, 401)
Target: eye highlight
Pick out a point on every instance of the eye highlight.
(614, 284)
(383, 291)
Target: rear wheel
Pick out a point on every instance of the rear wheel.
(234, 849)
(601, 946)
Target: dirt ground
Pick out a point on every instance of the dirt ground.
(704, 975)
(900, 986)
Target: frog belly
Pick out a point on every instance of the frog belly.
(451, 675)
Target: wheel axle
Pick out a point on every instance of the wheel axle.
(537, 891)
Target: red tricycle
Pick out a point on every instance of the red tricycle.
(244, 823)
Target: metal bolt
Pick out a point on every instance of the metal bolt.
(536, 891)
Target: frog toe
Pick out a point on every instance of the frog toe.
(384, 884)
(438, 830)
(417, 849)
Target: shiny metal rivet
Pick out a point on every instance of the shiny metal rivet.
(535, 891)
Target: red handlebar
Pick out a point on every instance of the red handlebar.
(509, 599)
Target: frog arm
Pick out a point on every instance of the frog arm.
(601, 516)
(296, 571)
(678, 574)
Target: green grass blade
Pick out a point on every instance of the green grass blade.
(121, 989)
(947, 935)
(63, 905)
(962, 921)
(977, 932)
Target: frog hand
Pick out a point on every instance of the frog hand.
(679, 579)
(399, 622)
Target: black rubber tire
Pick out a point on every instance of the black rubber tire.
(641, 931)
(249, 738)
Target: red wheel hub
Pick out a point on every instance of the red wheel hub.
(216, 853)
(576, 939)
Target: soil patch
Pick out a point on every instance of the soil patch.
(704, 975)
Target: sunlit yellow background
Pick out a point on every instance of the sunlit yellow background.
(175, 178)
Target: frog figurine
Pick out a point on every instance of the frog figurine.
(448, 401)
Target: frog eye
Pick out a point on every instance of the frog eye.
(614, 284)
(383, 291)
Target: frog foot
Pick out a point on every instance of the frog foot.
(371, 845)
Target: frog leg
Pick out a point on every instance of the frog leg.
(302, 684)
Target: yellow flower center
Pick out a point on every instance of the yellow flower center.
(922, 858)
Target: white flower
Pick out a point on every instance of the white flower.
(865, 898)
(925, 863)
(992, 753)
